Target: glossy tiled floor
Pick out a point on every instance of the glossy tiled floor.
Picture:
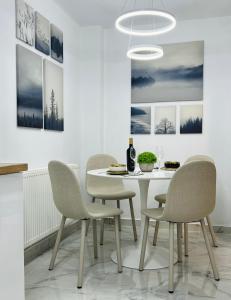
(193, 277)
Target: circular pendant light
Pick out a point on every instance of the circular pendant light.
(149, 13)
(145, 52)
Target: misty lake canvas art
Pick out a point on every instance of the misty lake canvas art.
(56, 43)
(42, 34)
(177, 76)
(29, 89)
(191, 119)
(165, 120)
(53, 96)
(140, 120)
(25, 22)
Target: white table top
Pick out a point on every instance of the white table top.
(154, 175)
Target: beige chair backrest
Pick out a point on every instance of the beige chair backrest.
(199, 157)
(192, 192)
(66, 191)
(93, 183)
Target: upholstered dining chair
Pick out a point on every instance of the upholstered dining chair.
(161, 199)
(108, 189)
(190, 198)
(68, 200)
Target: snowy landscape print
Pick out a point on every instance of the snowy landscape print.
(25, 22)
(56, 43)
(191, 119)
(177, 76)
(165, 120)
(53, 96)
(140, 120)
(42, 34)
(29, 89)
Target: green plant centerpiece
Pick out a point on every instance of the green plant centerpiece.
(146, 161)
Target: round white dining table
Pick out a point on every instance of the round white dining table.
(156, 257)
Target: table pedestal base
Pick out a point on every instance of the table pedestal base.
(156, 257)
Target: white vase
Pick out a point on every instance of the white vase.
(146, 167)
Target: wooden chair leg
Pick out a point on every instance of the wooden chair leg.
(171, 258)
(102, 227)
(118, 247)
(82, 248)
(94, 224)
(133, 219)
(56, 247)
(156, 230)
(210, 251)
(185, 239)
(144, 244)
(214, 240)
(118, 206)
(179, 242)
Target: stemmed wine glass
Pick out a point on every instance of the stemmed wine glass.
(159, 150)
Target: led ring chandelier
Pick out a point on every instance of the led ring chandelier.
(145, 52)
(140, 13)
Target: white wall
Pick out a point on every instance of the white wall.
(35, 146)
(214, 141)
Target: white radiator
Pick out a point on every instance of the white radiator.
(41, 217)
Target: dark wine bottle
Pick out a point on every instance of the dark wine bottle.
(131, 155)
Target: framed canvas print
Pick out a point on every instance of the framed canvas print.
(29, 89)
(42, 34)
(140, 120)
(191, 119)
(53, 96)
(177, 76)
(56, 43)
(25, 22)
(165, 120)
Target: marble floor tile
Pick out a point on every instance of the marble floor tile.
(193, 278)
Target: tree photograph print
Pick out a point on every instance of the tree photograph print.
(53, 106)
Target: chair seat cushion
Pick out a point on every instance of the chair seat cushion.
(109, 194)
(161, 198)
(153, 213)
(96, 211)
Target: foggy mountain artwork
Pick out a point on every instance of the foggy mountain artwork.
(140, 120)
(191, 119)
(29, 89)
(25, 22)
(56, 43)
(165, 120)
(53, 104)
(42, 34)
(177, 76)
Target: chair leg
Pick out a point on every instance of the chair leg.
(171, 258)
(56, 247)
(144, 244)
(212, 232)
(88, 224)
(118, 206)
(118, 247)
(185, 239)
(179, 242)
(156, 230)
(82, 248)
(102, 227)
(133, 219)
(94, 224)
(93, 200)
(210, 251)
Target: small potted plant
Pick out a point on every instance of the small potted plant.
(146, 161)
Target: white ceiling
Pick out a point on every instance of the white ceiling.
(104, 12)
